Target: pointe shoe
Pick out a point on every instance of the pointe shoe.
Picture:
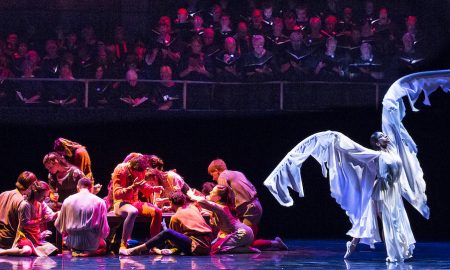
(350, 249)
(280, 244)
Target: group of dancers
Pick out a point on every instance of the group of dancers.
(366, 183)
(139, 186)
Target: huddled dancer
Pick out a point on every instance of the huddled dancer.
(32, 212)
(83, 221)
(128, 180)
(365, 41)
(221, 218)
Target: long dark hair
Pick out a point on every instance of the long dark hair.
(66, 146)
(374, 138)
(36, 187)
(55, 157)
(155, 162)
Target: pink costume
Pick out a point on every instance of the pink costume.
(32, 217)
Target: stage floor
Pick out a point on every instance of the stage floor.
(310, 254)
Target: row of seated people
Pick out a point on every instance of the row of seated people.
(296, 62)
(71, 93)
(69, 202)
(172, 44)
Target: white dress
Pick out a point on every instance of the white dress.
(398, 236)
(352, 170)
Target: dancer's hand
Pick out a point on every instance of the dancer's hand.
(191, 194)
(137, 183)
(45, 234)
(158, 188)
(96, 188)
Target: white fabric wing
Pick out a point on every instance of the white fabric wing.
(351, 169)
(412, 183)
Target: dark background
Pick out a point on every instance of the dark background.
(253, 143)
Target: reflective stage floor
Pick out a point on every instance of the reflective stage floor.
(310, 254)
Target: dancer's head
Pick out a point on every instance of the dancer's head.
(54, 162)
(155, 162)
(207, 187)
(379, 140)
(177, 199)
(216, 167)
(130, 156)
(25, 180)
(138, 166)
(155, 176)
(65, 147)
(37, 191)
(84, 183)
(223, 195)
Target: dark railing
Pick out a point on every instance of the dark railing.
(274, 95)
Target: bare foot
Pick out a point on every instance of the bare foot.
(129, 252)
(166, 251)
(155, 250)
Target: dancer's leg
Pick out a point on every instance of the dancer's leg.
(150, 210)
(129, 212)
(180, 240)
(351, 246)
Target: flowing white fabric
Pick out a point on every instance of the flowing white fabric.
(412, 183)
(352, 170)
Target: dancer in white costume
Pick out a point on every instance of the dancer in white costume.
(365, 181)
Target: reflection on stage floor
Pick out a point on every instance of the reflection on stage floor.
(302, 254)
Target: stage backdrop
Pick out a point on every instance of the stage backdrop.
(253, 143)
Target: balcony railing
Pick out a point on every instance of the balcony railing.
(209, 96)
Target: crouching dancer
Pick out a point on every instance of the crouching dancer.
(233, 236)
(33, 213)
(128, 179)
(11, 201)
(189, 233)
(83, 221)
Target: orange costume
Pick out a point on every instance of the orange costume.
(124, 193)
